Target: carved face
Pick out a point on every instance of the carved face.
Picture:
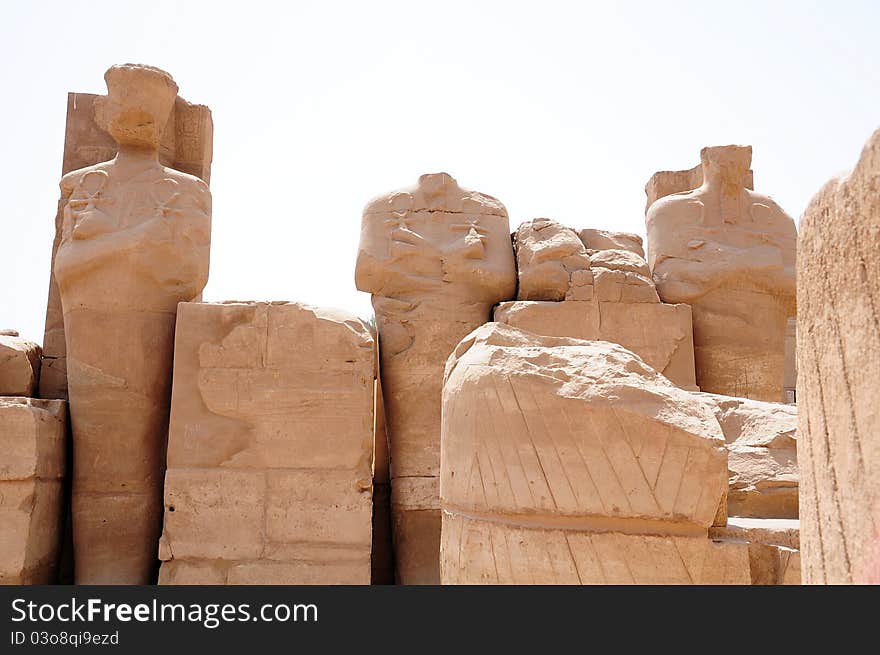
(726, 162)
(138, 103)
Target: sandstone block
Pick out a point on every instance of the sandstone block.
(573, 461)
(762, 456)
(19, 366)
(33, 436)
(270, 448)
(838, 357)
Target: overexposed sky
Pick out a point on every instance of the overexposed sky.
(559, 109)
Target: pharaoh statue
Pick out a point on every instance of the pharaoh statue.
(436, 258)
(135, 243)
(730, 253)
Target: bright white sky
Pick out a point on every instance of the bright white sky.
(559, 109)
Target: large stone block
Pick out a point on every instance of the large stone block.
(658, 333)
(19, 366)
(573, 461)
(270, 447)
(33, 435)
(838, 356)
(762, 456)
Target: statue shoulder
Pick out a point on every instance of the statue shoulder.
(686, 207)
(188, 182)
(766, 211)
(71, 180)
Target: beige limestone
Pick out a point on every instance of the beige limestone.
(762, 456)
(790, 377)
(658, 333)
(729, 253)
(134, 243)
(436, 258)
(33, 437)
(604, 240)
(569, 461)
(186, 145)
(838, 353)
(19, 366)
(270, 447)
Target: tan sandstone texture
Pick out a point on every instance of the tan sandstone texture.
(729, 253)
(134, 243)
(596, 285)
(33, 437)
(185, 145)
(569, 461)
(838, 352)
(436, 258)
(270, 447)
(762, 456)
(19, 366)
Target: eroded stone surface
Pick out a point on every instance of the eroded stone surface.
(729, 253)
(658, 333)
(186, 144)
(33, 437)
(270, 447)
(436, 258)
(604, 240)
(552, 262)
(762, 445)
(19, 366)
(774, 555)
(838, 354)
(134, 243)
(573, 461)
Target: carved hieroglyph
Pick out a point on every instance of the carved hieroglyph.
(270, 447)
(606, 293)
(185, 145)
(134, 243)
(568, 461)
(838, 352)
(729, 253)
(436, 258)
(33, 435)
(19, 366)
(762, 456)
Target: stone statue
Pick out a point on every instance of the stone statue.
(436, 258)
(135, 242)
(730, 253)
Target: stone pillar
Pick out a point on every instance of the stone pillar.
(33, 436)
(436, 258)
(186, 145)
(838, 355)
(270, 447)
(135, 239)
(729, 253)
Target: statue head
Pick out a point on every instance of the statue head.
(728, 163)
(138, 103)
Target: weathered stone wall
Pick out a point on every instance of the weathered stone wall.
(270, 447)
